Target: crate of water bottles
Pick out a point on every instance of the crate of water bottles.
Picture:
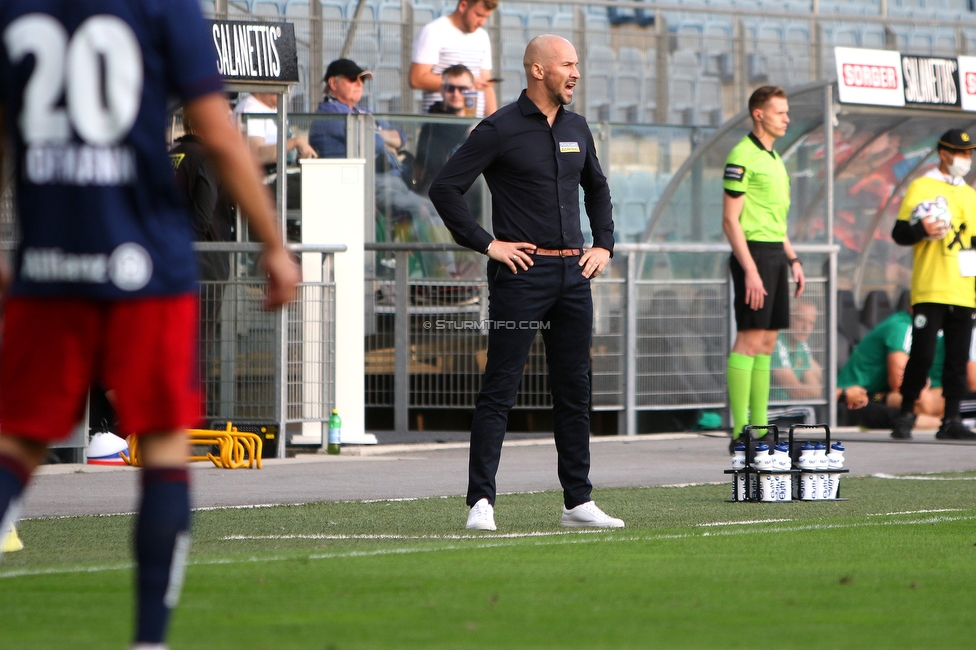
(807, 469)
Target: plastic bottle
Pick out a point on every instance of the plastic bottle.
(784, 482)
(781, 457)
(808, 479)
(335, 434)
(739, 462)
(764, 462)
(835, 459)
(806, 456)
(823, 479)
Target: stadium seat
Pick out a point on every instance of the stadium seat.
(512, 71)
(873, 36)
(265, 9)
(904, 300)
(649, 102)
(628, 84)
(709, 100)
(877, 307)
(848, 318)
(600, 66)
(539, 22)
(563, 25)
(297, 8)
(945, 42)
(717, 48)
(597, 29)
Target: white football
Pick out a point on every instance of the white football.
(938, 208)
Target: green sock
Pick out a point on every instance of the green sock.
(740, 382)
(759, 393)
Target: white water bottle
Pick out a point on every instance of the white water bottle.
(784, 482)
(739, 462)
(806, 457)
(808, 479)
(739, 456)
(835, 460)
(823, 478)
(781, 457)
(764, 462)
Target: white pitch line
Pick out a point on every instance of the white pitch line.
(913, 512)
(431, 537)
(499, 543)
(739, 523)
(915, 477)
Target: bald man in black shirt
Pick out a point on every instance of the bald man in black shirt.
(535, 156)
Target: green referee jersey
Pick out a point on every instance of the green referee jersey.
(762, 177)
(868, 365)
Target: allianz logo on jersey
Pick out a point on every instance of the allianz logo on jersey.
(129, 267)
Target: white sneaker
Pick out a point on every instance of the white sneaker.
(481, 516)
(587, 515)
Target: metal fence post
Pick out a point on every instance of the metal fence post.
(630, 346)
(281, 379)
(401, 345)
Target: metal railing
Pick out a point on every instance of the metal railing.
(659, 343)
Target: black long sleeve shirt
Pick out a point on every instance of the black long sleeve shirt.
(534, 172)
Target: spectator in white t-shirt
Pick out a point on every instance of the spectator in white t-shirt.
(450, 40)
(262, 135)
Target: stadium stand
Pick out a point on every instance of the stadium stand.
(621, 73)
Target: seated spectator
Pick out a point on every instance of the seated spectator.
(868, 384)
(401, 214)
(344, 81)
(262, 134)
(438, 142)
(797, 376)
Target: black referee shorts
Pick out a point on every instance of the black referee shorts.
(774, 269)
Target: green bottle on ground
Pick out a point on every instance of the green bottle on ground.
(335, 434)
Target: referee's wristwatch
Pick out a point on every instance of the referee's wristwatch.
(795, 260)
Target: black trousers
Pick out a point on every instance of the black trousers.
(956, 324)
(554, 297)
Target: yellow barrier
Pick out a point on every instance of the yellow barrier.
(235, 449)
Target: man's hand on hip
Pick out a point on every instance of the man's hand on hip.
(511, 253)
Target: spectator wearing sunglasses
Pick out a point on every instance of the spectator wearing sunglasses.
(439, 140)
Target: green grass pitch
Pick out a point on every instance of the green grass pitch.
(893, 567)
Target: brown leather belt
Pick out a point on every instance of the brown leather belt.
(559, 252)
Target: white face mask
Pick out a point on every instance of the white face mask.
(960, 166)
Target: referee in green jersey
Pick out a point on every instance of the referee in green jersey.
(754, 209)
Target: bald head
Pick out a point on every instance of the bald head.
(544, 50)
(551, 72)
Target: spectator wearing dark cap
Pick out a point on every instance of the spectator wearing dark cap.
(938, 219)
(343, 90)
(395, 202)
